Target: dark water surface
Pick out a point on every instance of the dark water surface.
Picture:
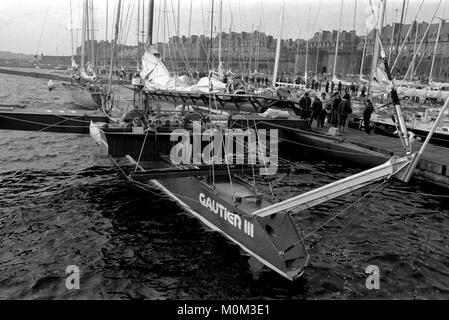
(62, 203)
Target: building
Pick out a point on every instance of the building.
(249, 52)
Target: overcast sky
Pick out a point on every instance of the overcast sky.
(35, 26)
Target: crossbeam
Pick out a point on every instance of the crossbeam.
(392, 167)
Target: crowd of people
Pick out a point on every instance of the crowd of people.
(333, 109)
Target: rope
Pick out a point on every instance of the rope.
(334, 217)
(43, 27)
(141, 150)
(40, 123)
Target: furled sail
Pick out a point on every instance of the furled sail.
(157, 77)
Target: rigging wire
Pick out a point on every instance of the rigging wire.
(42, 31)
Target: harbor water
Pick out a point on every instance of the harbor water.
(62, 203)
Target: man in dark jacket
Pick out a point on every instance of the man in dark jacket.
(303, 105)
(317, 108)
(336, 99)
(344, 110)
(369, 109)
(326, 109)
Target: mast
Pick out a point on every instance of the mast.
(71, 29)
(114, 43)
(317, 56)
(338, 41)
(143, 23)
(436, 43)
(87, 30)
(422, 39)
(138, 32)
(355, 14)
(392, 36)
(83, 36)
(353, 66)
(106, 34)
(178, 32)
(164, 17)
(190, 19)
(414, 50)
(377, 38)
(400, 28)
(220, 30)
(363, 56)
(278, 45)
(150, 23)
(306, 62)
(211, 52)
(92, 32)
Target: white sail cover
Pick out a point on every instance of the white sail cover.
(157, 77)
(380, 86)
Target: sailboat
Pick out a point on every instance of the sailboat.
(185, 155)
(84, 89)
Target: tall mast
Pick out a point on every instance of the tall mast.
(278, 45)
(355, 14)
(363, 56)
(436, 43)
(163, 30)
(87, 30)
(353, 28)
(392, 37)
(142, 29)
(178, 32)
(71, 28)
(317, 56)
(414, 49)
(92, 32)
(400, 28)
(107, 15)
(114, 42)
(190, 19)
(83, 36)
(150, 23)
(377, 44)
(211, 54)
(220, 29)
(337, 42)
(306, 62)
(138, 31)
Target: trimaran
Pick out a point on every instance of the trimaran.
(216, 192)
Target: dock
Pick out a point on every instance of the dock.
(433, 166)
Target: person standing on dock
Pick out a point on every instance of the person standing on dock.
(317, 108)
(332, 86)
(336, 99)
(363, 91)
(325, 110)
(367, 111)
(304, 105)
(339, 86)
(344, 110)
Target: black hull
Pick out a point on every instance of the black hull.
(273, 240)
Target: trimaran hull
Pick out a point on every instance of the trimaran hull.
(274, 240)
